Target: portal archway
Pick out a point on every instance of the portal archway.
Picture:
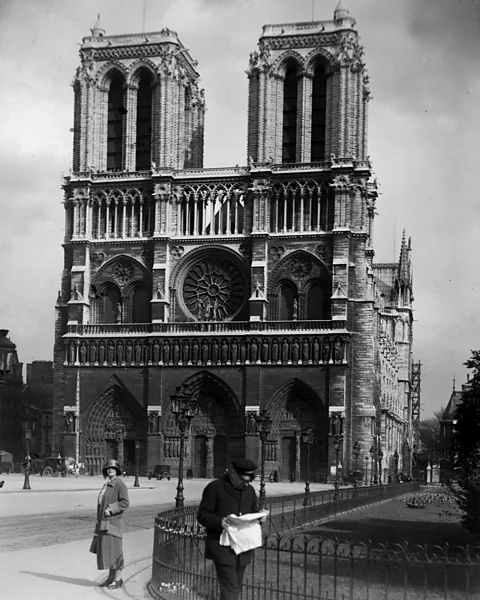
(217, 431)
(294, 407)
(114, 423)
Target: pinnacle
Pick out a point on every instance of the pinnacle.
(97, 29)
(341, 12)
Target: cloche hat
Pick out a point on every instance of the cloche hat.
(111, 464)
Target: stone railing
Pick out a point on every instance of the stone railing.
(202, 327)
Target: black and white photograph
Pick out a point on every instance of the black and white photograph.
(239, 324)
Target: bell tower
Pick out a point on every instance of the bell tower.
(137, 103)
(308, 92)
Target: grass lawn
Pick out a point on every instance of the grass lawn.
(393, 523)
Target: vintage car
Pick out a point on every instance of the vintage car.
(160, 472)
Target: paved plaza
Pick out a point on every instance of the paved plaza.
(58, 565)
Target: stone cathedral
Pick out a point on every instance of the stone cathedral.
(254, 285)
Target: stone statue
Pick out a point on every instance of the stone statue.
(234, 351)
(204, 352)
(71, 352)
(275, 351)
(166, 352)
(295, 350)
(295, 309)
(153, 422)
(138, 352)
(176, 353)
(186, 352)
(83, 353)
(118, 313)
(93, 353)
(264, 351)
(285, 351)
(335, 424)
(326, 351)
(253, 351)
(337, 350)
(101, 353)
(214, 352)
(129, 352)
(69, 422)
(110, 353)
(120, 353)
(251, 424)
(195, 352)
(305, 351)
(156, 352)
(224, 352)
(316, 350)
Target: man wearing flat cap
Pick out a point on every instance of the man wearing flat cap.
(229, 495)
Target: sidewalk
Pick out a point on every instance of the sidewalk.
(69, 571)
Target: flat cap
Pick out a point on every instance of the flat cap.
(243, 465)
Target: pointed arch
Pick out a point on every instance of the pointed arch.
(113, 419)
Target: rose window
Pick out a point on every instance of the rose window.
(213, 290)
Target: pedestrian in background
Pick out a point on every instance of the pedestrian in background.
(107, 543)
(231, 494)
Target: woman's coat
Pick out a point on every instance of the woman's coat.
(116, 499)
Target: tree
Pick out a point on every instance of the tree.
(429, 434)
(466, 483)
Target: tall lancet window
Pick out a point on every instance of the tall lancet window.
(290, 97)
(319, 105)
(144, 124)
(116, 115)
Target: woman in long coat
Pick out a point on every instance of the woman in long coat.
(112, 501)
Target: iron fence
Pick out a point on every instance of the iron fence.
(292, 565)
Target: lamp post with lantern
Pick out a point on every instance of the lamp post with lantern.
(380, 458)
(372, 452)
(26, 483)
(366, 470)
(137, 454)
(184, 409)
(356, 454)
(264, 425)
(337, 444)
(307, 437)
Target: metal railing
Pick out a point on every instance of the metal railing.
(296, 565)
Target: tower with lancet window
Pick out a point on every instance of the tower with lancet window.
(252, 287)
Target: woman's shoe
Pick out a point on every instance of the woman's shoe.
(115, 584)
(107, 582)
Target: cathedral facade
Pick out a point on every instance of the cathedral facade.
(254, 285)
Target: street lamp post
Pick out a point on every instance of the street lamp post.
(137, 454)
(395, 463)
(380, 457)
(26, 484)
(264, 425)
(307, 436)
(366, 470)
(184, 409)
(337, 444)
(372, 452)
(356, 454)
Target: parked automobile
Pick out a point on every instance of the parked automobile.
(160, 472)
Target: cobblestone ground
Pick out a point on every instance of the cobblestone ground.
(35, 531)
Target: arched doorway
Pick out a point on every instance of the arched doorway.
(114, 423)
(217, 432)
(292, 409)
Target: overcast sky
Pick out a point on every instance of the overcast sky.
(423, 57)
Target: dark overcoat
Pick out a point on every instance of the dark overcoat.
(220, 498)
(116, 499)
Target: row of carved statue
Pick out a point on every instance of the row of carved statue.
(207, 351)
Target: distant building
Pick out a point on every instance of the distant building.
(38, 402)
(254, 285)
(11, 409)
(447, 422)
